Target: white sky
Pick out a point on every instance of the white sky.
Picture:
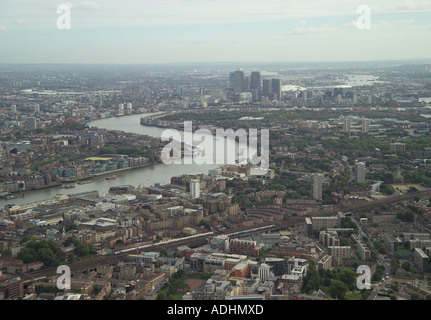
(141, 31)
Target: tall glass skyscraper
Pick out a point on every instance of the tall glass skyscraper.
(236, 79)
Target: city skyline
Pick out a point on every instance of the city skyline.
(130, 166)
(84, 186)
(212, 31)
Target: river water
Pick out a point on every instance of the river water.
(147, 176)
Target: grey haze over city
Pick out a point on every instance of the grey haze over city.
(212, 156)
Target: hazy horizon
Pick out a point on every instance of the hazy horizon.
(213, 31)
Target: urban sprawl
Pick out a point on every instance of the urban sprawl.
(348, 185)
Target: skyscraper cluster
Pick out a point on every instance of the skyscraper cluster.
(270, 88)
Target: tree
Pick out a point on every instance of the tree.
(82, 249)
(163, 252)
(235, 199)
(407, 216)
(328, 274)
(406, 266)
(338, 289)
(254, 183)
(96, 289)
(394, 287)
(161, 296)
(395, 265)
(312, 280)
(348, 277)
(205, 224)
(52, 246)
(365, 294)
(378, 274)
(277, 187)
(47, 257)
(179, 274)
(344, 242)
(412, 189)
(321, 272)
(70, 241)
(71, 226)
(26, 255)
(387, 189)
(6, 253)
(25, 239)
(415, 296)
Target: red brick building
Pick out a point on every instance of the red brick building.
(12, 288)
(244, 247)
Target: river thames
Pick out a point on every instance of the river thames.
(145, 177)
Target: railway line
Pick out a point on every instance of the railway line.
(292, 221)
(388, 200)
(112, 259)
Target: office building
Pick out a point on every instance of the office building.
(266, 86)
(255, 86)
(264, 272)
(237, 82)
(255, 82)
(13, 108)
(277, 265)
(246, 84)
(276, 88)
(296, 264)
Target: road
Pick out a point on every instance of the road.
(380, 261)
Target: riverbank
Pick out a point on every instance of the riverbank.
(78, 179)
(144, 176)
(148, 114)
(124, 169)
